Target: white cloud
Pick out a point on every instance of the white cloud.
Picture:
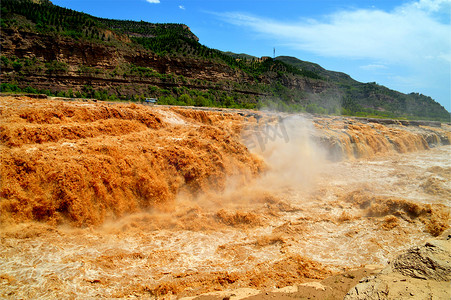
(372, 67)
(406, 34)
(182, 7)
(153, 1)
(433, 5)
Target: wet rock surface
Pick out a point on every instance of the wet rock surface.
(422, 272)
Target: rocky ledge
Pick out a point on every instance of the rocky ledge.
(420, 273)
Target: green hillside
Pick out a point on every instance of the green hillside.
(156, 59)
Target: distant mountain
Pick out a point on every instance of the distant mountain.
(305, 65)
(361, 97)
(54, 50)
(241, 56)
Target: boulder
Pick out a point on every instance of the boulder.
(422, 272)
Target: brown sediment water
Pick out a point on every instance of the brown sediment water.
(124, 200)
(81, 162)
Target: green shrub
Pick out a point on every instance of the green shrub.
(56, 67)
(8, 88)
(4, 61)
(186, 100)
(30, 90)
(17, 65)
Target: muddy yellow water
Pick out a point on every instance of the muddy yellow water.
(181, 202)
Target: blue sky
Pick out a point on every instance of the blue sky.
(402, 44)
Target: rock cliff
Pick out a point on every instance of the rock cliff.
(52, 50)
(103, 59)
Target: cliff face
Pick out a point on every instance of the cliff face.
(52, 50)
(128, 70)
(49, 48)
(292, 82)
(104, 59)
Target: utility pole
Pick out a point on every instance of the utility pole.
(274, 53)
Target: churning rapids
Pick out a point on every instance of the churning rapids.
(124, 200)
